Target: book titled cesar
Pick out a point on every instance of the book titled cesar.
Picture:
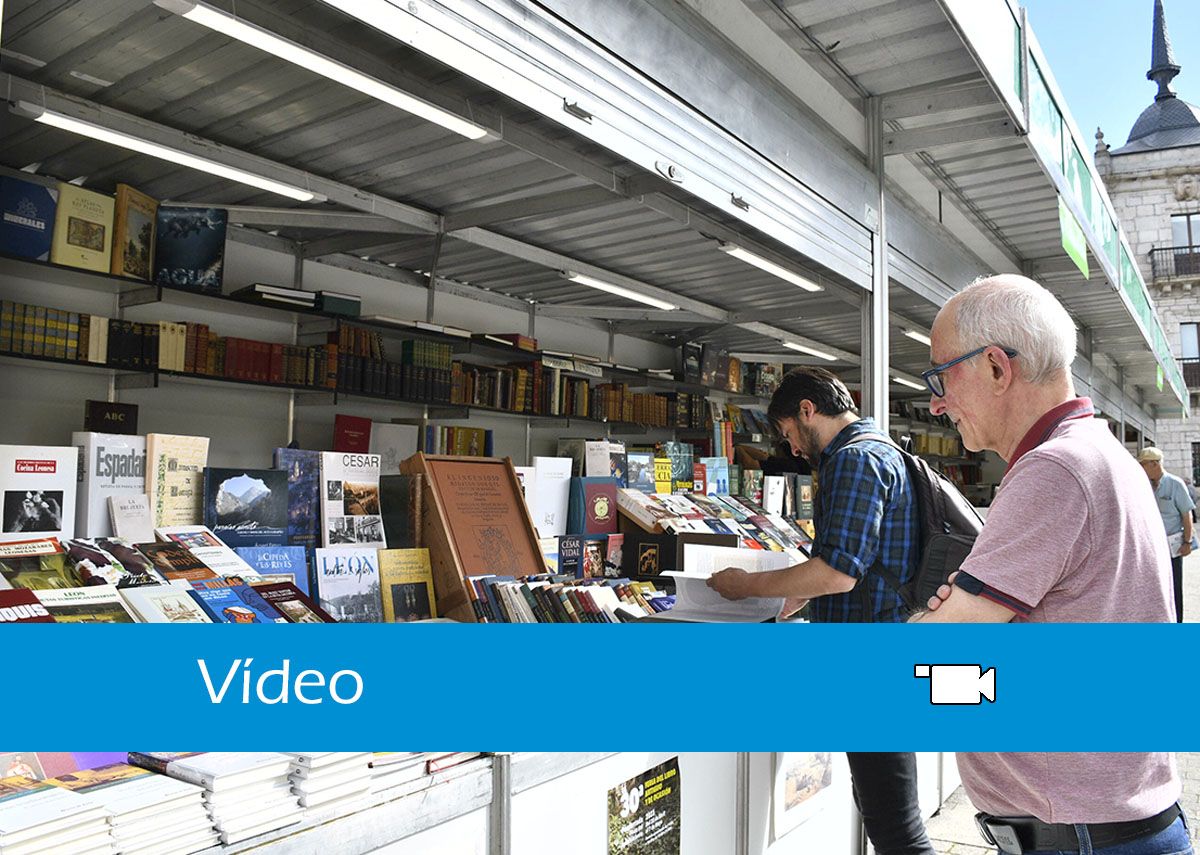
(350, 507)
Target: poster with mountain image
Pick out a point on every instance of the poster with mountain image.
(246, 507)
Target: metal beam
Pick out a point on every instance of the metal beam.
(304, 218)
(575, 199)
(334, 244)
(950, 133)
(616, 313)
(931, 100)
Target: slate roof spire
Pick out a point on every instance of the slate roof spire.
(1163, 67)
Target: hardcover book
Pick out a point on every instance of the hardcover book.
(96, 563)
(164, 604)
(176, 561)
(393, 443)
(350, 508)
(246, 507)
(209, 549)
(174, 474)
(111, 467)
(93, 604)
(36, 565)
(133, 234)
(278, 560)
(406, 580)
(83, 221)
(593, 508)
(550, 499)
(110, 417)
(26, 218)
(570, 555)
(22, 606)
(293, 604)
(303, 470)
(37, 488)
(226, 603)
(594, 549)
(352, 433)
(348, 585)
(691, 355)
(189, 248)
(401, 498)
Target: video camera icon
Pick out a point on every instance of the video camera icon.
(958, 684)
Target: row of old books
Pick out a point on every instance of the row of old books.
(563, 599)
(189, 348)
(422, 371)
(176, 803)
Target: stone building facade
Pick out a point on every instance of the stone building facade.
(1154, 183)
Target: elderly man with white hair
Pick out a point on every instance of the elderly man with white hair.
(1175, 507)
(1073, 535)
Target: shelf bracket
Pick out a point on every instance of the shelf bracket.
(140, 296)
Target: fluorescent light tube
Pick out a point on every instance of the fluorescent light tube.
(289, 51)
(917, 336)
(910, 384)
(175, 156)
(811, 351)
(769, 266)
(601, 285)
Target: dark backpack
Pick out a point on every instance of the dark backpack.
(947, 525)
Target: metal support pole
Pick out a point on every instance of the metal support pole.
(742, 826)
(433, 266)
(875, 346)
(500, 811)
(532, 320)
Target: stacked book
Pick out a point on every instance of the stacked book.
(331, 781)
(247, 794)
(262, 293)
(149, 814)
(559, 599)
(37, 817)
(392, 771)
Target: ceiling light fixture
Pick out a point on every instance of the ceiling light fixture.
(173, 155)
(769, 266)
(601, 285)
(289, 51)
(917, 336)
(811, 351)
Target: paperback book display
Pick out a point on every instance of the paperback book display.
(175, 467)
(112, 468)
(37, 490)
(350, 510)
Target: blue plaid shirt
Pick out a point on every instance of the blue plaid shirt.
(866, 513)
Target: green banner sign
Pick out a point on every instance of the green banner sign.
(1073, 240)
(1160, 377)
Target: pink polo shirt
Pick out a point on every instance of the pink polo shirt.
(1074, 536)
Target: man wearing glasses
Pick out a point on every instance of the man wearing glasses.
(1073, 535)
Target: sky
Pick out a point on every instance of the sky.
(1099, 52)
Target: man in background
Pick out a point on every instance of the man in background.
(1175, 505)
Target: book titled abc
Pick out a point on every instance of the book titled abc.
(189, 248)
(37, 491)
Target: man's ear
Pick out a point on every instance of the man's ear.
(1003, 379)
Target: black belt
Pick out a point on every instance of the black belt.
(1020, 834)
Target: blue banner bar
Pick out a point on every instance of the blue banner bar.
(600, 688)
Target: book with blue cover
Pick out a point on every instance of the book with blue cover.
(227, 603)
(189, 248)
(246, 507)
(273, 560)
(26, 218)
(303, 470)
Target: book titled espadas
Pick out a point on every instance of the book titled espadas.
(350, 508)
(110, 466)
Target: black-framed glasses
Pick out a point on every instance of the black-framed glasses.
(933, 377)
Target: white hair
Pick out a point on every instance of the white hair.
(1016, 312)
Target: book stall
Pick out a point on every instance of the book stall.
(413, 802)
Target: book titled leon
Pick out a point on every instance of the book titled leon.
(246, 507)
(348, 584)
(37, 489)
(174, 470)
(350, 508)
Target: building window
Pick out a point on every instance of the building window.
(1185, 240)
(1189, 341)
